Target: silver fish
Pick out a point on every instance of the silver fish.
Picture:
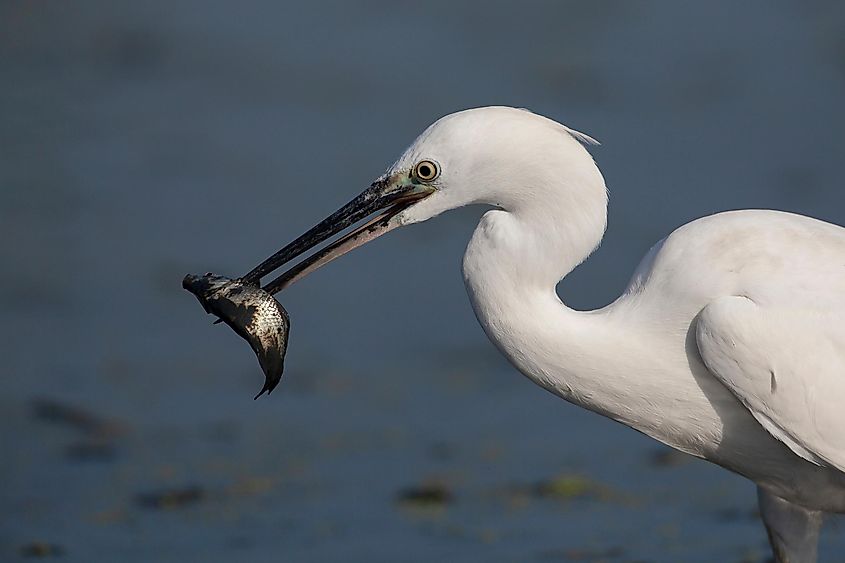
(252, 313)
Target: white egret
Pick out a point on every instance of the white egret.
(728, 343)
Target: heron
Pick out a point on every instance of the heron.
(727, 344)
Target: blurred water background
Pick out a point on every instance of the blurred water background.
(143, 140)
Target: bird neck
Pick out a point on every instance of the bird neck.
(539, 234)
(511, 268)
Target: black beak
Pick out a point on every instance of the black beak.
(382, 194)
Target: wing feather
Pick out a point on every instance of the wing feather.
(787, 366)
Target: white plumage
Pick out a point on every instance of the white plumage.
(728, 343)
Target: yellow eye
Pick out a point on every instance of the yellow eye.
(426, 170)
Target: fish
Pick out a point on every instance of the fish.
(254, 314)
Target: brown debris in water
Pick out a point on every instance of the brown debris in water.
(430, 495)
(168, 499)
(668, 457)
(41, 550)
(78, 418)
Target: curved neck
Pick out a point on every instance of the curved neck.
(541, 234)
(511, 268)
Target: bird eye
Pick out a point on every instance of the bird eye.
(426, 170)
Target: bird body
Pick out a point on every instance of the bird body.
(637, 360)
(727, 343)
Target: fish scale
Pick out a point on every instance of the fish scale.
(252, 313)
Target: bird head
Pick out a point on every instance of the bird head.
(500, 156)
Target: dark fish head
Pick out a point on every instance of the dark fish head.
(252, 313)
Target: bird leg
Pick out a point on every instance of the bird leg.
(793, 530)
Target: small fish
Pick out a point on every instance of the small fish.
(252, 313)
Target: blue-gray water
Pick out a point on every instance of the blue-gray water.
(143, 140)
